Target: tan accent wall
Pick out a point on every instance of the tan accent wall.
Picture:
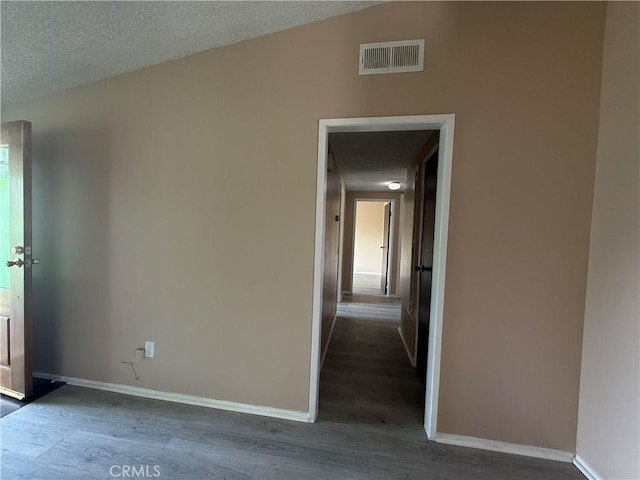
(347, 265)
(331, 243)
(176, 204)
(609, 412)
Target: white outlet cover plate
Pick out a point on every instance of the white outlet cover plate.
(149, 349)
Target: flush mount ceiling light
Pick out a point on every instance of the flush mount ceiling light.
(394, 186)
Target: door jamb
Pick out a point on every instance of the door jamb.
(343, 201)
(445, 124)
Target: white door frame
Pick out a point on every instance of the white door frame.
(445, 124)
(392, 232)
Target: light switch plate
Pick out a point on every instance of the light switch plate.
(149, 349)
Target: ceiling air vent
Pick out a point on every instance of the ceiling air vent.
(392, 57)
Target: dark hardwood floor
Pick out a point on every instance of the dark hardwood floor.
(369, 427)
(366, 376)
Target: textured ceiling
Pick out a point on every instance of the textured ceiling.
(369, 161)
(52, 46)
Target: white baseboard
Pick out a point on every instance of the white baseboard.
(406, 348)
(586, 469)
(505, 447)
(326, 347)
(180, 398)
(369, 273)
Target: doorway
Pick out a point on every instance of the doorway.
(445, 125)
(372, 247)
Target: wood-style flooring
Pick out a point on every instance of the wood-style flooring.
(366, 284)
(366, 376)
(40, 388)
(369, 427)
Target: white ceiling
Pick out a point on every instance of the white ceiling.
(53, 46)
(368, 161)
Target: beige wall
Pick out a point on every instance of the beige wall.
(347, 265)
(367, 254)
(609, 417)
(331, 243)
(176, 203)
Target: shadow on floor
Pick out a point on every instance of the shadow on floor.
(41, 387)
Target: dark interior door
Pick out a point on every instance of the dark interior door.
(384, 277)
(426, 261)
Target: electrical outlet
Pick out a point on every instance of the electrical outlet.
(139, 353)
(149, 349)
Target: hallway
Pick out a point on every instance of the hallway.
(367, 376)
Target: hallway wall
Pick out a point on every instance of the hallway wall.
(176, 204)
(331, 245)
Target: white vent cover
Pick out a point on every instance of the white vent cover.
(392, 57)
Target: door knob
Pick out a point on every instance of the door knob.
(422, 268)
(15, 263)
